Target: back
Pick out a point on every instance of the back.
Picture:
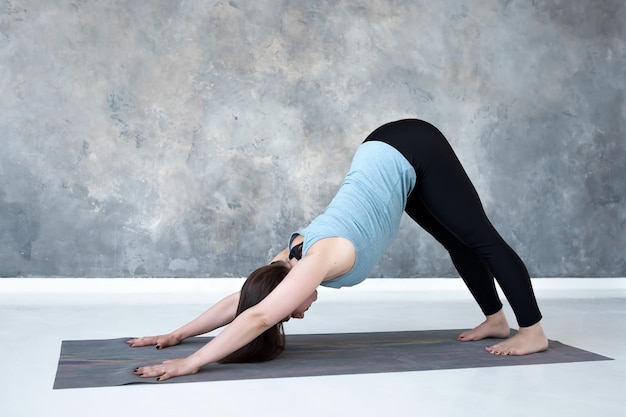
(367, 208)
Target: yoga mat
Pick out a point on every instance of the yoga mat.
(99, 363)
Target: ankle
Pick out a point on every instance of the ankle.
(496, 318)
(534, 329)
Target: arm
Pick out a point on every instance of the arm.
(326, 259)
(282, 255)
(297, 286)
(215, 317)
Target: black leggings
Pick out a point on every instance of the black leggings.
(445, 203)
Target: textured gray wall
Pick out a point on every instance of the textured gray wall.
(189, 138)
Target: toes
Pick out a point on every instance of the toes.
(466, 337)
(494, 350)
(500, 350)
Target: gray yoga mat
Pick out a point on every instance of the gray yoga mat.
(99, 363)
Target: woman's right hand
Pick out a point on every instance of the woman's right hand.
(160, 342)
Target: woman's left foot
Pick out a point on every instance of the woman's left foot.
(528, 340)
(495, 325)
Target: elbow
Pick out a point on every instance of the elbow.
(266, 339)
(260, 319)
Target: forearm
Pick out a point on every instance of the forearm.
(241, 331)
(245, 328)
(215, 317)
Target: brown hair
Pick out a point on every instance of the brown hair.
(269, 344)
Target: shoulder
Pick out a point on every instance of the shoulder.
(337, 254)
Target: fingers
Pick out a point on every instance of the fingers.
(156, 341)
(142, 341)
(166, 370)
(159, 342)
(159, 371)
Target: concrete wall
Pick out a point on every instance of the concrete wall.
(189, 138)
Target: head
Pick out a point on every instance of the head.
(270, 343)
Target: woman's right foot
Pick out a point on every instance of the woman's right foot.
(494, 326)
(527, 340)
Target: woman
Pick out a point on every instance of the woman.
(406, 165)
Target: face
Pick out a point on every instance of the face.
(298, 313)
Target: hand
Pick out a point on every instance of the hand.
(168, 369)
(160, 342)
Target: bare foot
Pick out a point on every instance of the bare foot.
(494, 325)
(528, 340)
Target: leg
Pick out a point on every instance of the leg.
(473, 271)
(449, 196)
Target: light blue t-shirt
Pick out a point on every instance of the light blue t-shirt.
(366, 210)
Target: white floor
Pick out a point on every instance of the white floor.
(37, 314)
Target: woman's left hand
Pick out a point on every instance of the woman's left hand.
(168, 369)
